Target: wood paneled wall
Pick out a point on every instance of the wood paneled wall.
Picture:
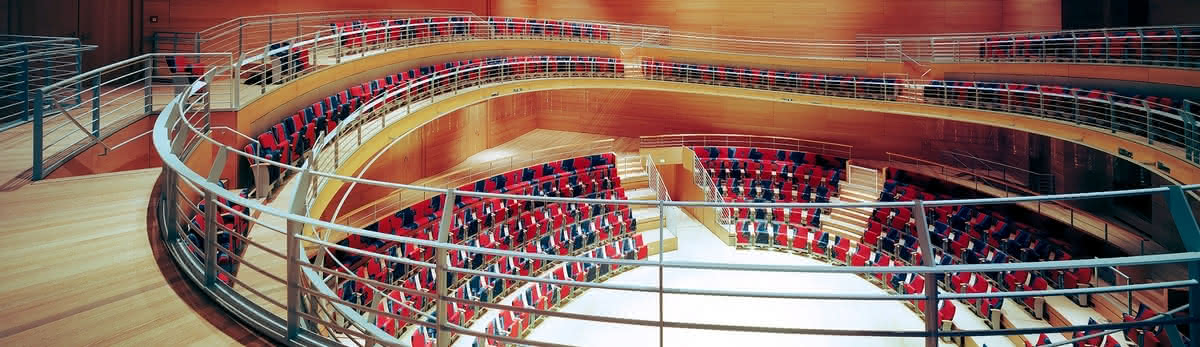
(820, 19)
(194, 15)
(137, 154)
(638, 113)
(441, 144)
(108, 24)
(816, 19)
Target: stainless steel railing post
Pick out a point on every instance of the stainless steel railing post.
(95, 106)
(170, 180)
(24, 85)
(931, 289)
(294, 229)
(38, 114)
(210, 238)
(443, 305)
(147, 90)
(235, 82)
(1149, 122)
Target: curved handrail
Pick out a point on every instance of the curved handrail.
(162, 138)
(172, 133)
(965, 47)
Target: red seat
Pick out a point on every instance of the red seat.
(800, 238)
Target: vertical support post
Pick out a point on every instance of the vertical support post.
(38, 113)
(1189, 233)
(170, 196)
(1041, 102)
(270, 29)
(662, 220)
(1077, 109)
(1149, 122)
(208, 82)
(337, 45)
(78, 70)
(931, 294)
(148, 89)
(241, 34)
(443, 306)
(1178, 48)
(235, 81)
(210, 239)
(25, 83)
(1112, 114)
(266, 71)
(1189, 132)
(294, 229)
(95, 106)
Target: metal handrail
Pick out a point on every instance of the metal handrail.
(120, 93)
(926, 37)
(1100, 231)
(175, 115)
(31, 62)
(174, 128)
(833, 149)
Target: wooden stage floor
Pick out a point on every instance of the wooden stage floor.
(81, 269)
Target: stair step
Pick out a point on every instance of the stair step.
(854, 213)
(647, 217)
(841, 227)
(855, 196)
(640, 194)
(630, 170)
(634, 177)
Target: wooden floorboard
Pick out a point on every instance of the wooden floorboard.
(82, 268)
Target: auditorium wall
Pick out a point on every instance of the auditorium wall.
(824, 19)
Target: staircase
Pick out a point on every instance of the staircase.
(860, 186)
(632, 170)
(633, 63)
(911, 92)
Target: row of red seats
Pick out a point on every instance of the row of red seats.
(548, 297)
(583, 181)
(356, 33)
(609, 222)
(494, 215)
(293, 136)
(968, 250)
(978, 282)
(1155, 46)
(810, 217)
(847, 86)
(1100, 108)
(403, 222)
(765, 190)
(812, 174)
(1151, 336)
(491, 289)
(481, 288)
(229, 245)
(838, 250)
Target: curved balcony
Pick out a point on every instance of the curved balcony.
(314, 314)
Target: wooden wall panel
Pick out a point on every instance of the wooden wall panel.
(450, 139)
(823, 19)
(443, 143)
(509, 118)
(102, 23)
(191, 15)
(639, 113)
(1032, 15)
(137, 154)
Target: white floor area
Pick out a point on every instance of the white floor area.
(697, 244)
